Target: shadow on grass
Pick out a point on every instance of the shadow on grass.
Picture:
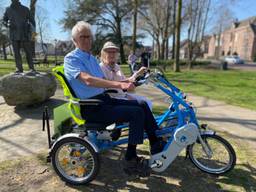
(180, 176)
(243, 176)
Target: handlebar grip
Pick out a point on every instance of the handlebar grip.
(136, 83)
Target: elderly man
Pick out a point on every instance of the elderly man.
(21, 24)
(86, 78)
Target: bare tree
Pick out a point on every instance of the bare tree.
(197, 17)
(42, 27)
(224, 20)
(108, 15)
(156, 21)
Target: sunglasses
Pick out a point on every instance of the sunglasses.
(85, 37)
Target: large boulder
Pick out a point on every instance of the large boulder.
(24, 89)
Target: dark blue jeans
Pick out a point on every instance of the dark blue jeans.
(112, 110)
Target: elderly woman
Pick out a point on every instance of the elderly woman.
(113, 72)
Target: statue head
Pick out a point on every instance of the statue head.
(15, 1)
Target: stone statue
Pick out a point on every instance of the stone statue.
(21, 25)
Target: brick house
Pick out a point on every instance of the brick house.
(240, 38)
(198, 51)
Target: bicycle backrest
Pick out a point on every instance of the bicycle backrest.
(73, 105)
(67, 89)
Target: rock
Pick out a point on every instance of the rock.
(27, 89)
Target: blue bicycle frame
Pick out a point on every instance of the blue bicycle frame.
(179, 109)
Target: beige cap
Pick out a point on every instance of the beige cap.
(109, 45)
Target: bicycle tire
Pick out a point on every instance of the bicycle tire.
(59, 169)
(200, 162)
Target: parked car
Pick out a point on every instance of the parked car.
(234, 59)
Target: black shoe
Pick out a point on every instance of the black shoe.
(32, 72)
(137, 166)
(157, 147)
(17, 72)
(116, 133)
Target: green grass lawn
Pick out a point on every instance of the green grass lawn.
(234, 87)
(8, 66)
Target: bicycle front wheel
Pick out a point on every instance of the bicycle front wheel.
(221, 160)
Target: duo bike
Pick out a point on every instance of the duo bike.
(75, 153)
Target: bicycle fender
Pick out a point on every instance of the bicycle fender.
(75, 135)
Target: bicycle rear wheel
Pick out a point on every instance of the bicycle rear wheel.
(75, 161)
(221, 160)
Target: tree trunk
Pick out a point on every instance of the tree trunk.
(166, 35)
(167, 49)
(189, 63)
(11, 51)
(205, 19)
(174, 27)
(134, 26)
(153, 49)
(177, 48)
(190, 52)
(4, 51)
(33, 13)
(218, 42)
(162, 49)
(120, 41)
(158, 49)
(191, 30)
(119, 33)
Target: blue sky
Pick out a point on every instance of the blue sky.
(55, 10)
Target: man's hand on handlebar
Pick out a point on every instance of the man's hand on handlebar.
(127, 86)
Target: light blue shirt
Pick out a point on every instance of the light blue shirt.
(79, 61)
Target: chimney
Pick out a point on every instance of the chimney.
(235, 23)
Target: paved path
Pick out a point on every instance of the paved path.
(251, 66)
(245, 67)
(21, 135)
(21, 129)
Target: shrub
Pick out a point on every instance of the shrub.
(254, 58)
(164, 63)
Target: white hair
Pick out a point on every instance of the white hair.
(80, 26)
